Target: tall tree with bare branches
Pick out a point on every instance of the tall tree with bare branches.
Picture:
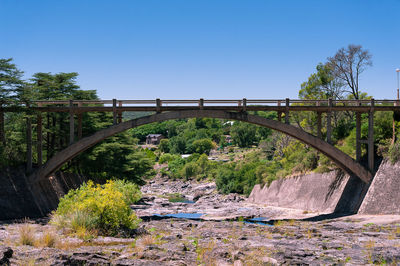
(348, 64)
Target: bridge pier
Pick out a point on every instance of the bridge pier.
(2, 131)
(287, 111)
(358, 136)
(329, 122)
(114, 110)
(119, 112)
(80, 117)
(371, 161)
(28, 144)
(39, 139)
(71, 122)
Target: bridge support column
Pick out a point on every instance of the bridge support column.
(71, 122)
(371, 162)
(201, 104)
(39, 139)
(244, 105)
(287, 111)
(329, 123)
(2, 131)
(119, 112)
(80, 117)
(319, 125)
(28, 144)
(358, 136)
(158, 106)
(114, 111)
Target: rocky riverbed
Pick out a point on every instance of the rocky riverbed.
(225, 230)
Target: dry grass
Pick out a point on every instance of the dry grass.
(48, 239)
(27, 235)
(147, 240)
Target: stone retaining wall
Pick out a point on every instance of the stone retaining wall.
(327, 192)
(383, 196)
(18, 200)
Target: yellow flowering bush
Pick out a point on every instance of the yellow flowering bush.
(98, 208)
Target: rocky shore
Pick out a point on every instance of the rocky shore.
(224, 230)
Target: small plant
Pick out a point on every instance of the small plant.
(27, 235)
(48, 239)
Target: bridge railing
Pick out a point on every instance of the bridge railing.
(223, 102)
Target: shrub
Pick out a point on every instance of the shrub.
(98, 208)
(190, 170)
(27, 235)
(394, 152)
(203, 146)
(167, 157)
(164, 145)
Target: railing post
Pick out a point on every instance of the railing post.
(114, 111)
(80, 117)
(119, 112)
(279, 112)
(244, 105)
(71, 122)
(371, 136)
(158, 105)
(28, 144)
(39, 139)
(328, 122)
(287, 111)
(201, 104)
(2, 131)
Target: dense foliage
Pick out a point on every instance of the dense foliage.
(93, 209)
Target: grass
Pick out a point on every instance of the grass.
(48, 239)
(27, 235)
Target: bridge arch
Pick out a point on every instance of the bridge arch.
(344, 161)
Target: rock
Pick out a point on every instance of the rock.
(84, 258)
(270, 261)
(5, 254)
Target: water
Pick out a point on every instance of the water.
(184, 215)
(258, 220)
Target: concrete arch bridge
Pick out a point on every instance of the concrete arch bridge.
(223, 109)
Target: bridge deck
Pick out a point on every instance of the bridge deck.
(279, 105)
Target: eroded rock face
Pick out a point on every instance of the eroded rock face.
(383, 195)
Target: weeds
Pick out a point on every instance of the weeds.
(27, 235)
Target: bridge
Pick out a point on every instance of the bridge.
(223, 109)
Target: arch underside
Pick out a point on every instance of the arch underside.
(340, 158)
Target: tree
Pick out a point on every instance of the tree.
(243, 134)
(348, 64)
(322, 85)
(203, 146)
(10, 81)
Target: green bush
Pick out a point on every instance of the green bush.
(167, 157)
(164, 145)
(97, 208)
(190, 170)
(394, 152)
(203, 146)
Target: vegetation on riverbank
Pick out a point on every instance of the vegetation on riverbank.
(98, 209)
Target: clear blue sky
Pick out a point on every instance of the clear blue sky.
(191, 49)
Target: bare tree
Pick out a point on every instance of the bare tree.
(347, 65)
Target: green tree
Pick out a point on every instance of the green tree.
(203, 146)
(244, 135)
